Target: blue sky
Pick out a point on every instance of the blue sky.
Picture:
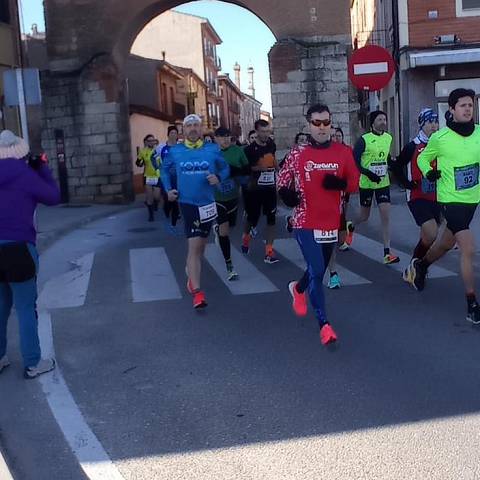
(246, 39)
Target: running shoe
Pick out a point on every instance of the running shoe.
(299, 300)
(288, 225)
(43, 366)
(327, 334)
(350, 230)
(343, 247)
(271, 259)
(231, 274)
(199, 300)
(418, 273)
(473, 315)
(390, 259)
(407, 273)
(4, 363)
(253, 232)
(334, 282)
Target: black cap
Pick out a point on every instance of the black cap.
(222, 132)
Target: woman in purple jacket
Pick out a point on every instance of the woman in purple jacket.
(24, 183)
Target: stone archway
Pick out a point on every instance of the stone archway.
(85, 100)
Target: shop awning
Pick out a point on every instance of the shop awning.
(443, 57)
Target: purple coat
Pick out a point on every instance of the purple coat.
(21, 189)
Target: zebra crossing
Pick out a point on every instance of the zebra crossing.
(152, 277)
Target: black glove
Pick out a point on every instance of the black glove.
(332, 182)
(36, 161)
(372, 176)
(433, 175)
(410, 185)
(289, 197)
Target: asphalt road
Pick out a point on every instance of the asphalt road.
(244, 390)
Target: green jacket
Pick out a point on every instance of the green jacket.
(229, 188)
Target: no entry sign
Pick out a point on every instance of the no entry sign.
(371, 68)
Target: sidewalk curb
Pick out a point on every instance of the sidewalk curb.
(5, 473)
(47, 239)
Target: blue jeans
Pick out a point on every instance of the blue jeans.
(317, 256)
(24, 296)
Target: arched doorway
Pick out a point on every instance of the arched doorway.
(85, 93)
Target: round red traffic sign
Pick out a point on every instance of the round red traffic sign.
(371, 68)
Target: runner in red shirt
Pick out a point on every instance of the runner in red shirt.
(312, 180)
(421, 193)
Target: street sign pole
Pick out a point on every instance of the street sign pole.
(22, 104)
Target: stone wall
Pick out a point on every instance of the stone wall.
(309, 71)
(91, 109)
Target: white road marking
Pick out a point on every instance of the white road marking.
(69, 289)
(90, 454)
(250, 280)
(288, 248)
(4, 471)
(152, 275)
(374, 250)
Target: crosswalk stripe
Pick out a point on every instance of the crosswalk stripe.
(288, 248)
(373, 250)
(152, 276)
(70, 289)
(250, 280)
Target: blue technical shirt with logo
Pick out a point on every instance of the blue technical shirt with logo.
(192, 166)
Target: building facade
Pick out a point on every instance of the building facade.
(231, 99)
(10, 57)
(436, 45)
(164, 38)
(249, 113)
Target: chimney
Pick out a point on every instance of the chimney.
(164, 54)
(251, 84)
(34, 30)
(236, 69)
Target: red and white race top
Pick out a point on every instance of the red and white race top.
(304, 170)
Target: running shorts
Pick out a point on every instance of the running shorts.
(382, 195)
(260, 200)
(227, 212)
(458, 215)
(191, 219)
(425, 210)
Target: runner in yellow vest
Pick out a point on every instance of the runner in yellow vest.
(456, 149)
(151, 175)
(372, 154)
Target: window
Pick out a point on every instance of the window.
(468, 8)
(4, 11)
(172, 101)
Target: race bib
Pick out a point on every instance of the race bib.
(466, 177)
(151, 181)
(267, 178)
(208, 212)
(379, 169)
(428, 186)
(227, 186)
(325, 236)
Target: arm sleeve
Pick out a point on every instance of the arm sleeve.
(222, 167)
(358, 151)
(166, 171)
(428, 155)
(352, 173)
(286, 175)
(405, 157)
(43, 187)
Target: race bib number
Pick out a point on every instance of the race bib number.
(325, 236)
(227, 186)
(151, 181)
(466, 177)
(267, 178)
(379, 169)
(428, 186)
(208, 212)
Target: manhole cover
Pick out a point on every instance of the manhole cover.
(142, 230)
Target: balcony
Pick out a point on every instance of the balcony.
(218, 63)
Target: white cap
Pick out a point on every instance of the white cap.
(192, 118)
(12, 146)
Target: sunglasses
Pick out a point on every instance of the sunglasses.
(317, 123)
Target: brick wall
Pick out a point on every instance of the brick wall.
(422, 29)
